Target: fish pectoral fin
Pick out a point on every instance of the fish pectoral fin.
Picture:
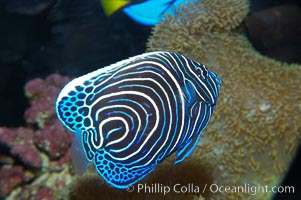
(111, 6)
(187, 149)
(118, 174)
(189, 93)
(79, 158)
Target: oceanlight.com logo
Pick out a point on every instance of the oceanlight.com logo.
(159, 188)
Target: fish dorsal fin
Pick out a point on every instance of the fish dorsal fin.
(118, 174)
(187, 149)
(79, 159)
(111, 6)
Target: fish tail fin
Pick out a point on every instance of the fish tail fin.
(79, 158)
(152, 12)
(111, 6)
(118, 174)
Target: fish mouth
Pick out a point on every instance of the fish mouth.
(217, 78)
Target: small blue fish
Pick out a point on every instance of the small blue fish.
(147, 12)
(130, 116)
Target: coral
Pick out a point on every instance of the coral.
(42, 95)
(36, 158)
(20, 143)
(255, 130)
(45, 193)
(11, 176)
(50, 140)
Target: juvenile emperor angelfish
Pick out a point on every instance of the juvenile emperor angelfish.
(129, 116)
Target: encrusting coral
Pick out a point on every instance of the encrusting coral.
(255, 130)
(35, 161)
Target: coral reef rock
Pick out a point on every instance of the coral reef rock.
(275, 32)
(35, 159)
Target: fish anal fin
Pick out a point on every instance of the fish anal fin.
(79, 158)
(187, 149)
(117, 174)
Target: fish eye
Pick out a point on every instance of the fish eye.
(205, 73)
(202, 72)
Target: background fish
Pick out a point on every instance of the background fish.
(147, 12)
(131, 115)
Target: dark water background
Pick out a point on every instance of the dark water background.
(73, 37)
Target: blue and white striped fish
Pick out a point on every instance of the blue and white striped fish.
(131, 115)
